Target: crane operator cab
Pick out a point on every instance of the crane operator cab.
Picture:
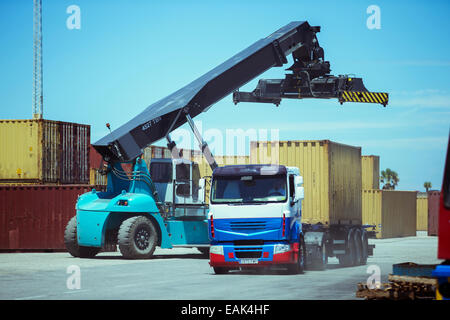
(180, 186)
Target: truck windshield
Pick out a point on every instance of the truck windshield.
(248, 189)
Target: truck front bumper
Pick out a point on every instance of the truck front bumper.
(252, 256)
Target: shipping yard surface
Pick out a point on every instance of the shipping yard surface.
(183, 273)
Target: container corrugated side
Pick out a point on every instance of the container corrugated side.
(370, 172)
(372, 209)
(44, 151)
(422, 212)
(35, 217)
(74, 144)
(399, 213)
(392, 212)
(331, 173)
(433, 212)
(21, 151)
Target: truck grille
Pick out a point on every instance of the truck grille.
(248, 252)
(243, 226)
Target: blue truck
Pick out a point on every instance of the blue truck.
(255, 220)
(161, 204)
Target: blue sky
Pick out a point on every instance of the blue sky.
(129, 54)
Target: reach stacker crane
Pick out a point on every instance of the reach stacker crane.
(163, 204)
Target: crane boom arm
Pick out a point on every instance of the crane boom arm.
(159, 119)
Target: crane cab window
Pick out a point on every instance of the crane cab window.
(161, 172)
(182, 173)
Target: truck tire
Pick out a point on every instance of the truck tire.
(365, 247)
(71, 242)
(299, 266)
(137, 238)
(348, 259)
(322, 261)
(357, 238)
(221, 270)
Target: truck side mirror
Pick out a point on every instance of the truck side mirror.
(299, 190)
(201, 189)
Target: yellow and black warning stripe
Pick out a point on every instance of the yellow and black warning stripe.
(365, 96)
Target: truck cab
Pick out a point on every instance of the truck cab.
(255, 217)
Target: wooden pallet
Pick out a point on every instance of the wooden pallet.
(400, 288)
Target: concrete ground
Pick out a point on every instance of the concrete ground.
(183, 273)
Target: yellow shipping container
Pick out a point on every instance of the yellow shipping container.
(331, 174)
(392, 212)
(422, 211)
(97, 179)
(44, 151)
(370, 172)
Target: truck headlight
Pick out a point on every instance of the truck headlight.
(216, 250)
(280, 248)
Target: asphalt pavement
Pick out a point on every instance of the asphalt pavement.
(183, 273)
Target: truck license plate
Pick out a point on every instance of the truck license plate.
(249, 261)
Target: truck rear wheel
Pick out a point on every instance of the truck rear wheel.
(322, 259)
(357, 238)
(365, 247)
(348, 259)
(137, 238)
(71, 242)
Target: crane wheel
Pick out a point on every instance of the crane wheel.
(71, 242)
(137, 238)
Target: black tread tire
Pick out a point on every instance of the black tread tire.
(221, 270)
(347, 260)
(71, 242)
(299, 267)
(365, 247)
(128, 231)
(358, 247)
(321, 264)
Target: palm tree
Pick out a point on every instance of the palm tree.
(389, 178)
(427, 185)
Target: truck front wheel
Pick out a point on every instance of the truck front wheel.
(299, 266)
(137, 238)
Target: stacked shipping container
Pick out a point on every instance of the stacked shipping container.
(433, 212)
(392, 212)
(35, 216)
(370, 172)
(422, 211)
(44, 166)
(44, 152)
(331, 173)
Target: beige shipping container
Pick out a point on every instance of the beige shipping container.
(422, 211)
(370, 172)
(331, 176)
(392, 212)
(44, 151)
